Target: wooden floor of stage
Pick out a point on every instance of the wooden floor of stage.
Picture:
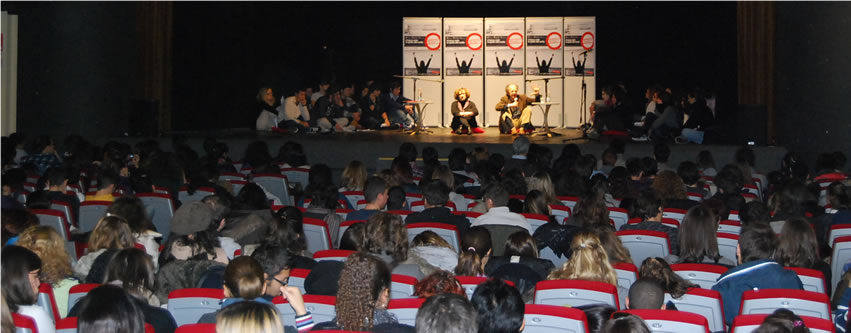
(443, 135)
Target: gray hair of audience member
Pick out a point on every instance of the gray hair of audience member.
(447, 313)
(646, 293)
(520, 145)
(622, 322)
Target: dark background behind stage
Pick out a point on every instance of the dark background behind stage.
(79, 63)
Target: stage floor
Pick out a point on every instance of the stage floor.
(377, 148)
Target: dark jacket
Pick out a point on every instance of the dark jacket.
(179, 274)
(757, 274)
(557, 237)
(441, 215)
(324, 108)
(541, 266)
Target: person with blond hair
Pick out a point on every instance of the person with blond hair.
(590, 262)
(249, 317)
(56, 264)
(542, 182)
(464, 114)
(354, 177)
(111, 234)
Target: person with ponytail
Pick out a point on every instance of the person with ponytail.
(476, 250)
(782, 321)
(244, 282)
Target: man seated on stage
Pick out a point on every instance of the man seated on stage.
(296, 112)
(394, 104)
(516, 111)
(328, 112)
(612, 115)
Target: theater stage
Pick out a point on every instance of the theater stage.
(377, 148)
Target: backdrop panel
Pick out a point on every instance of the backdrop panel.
(579, 46)
(545, 60)
(9, 60)
(504, 61)
(463, 63)
(422, 39)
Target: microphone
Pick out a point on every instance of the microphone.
(586, 51)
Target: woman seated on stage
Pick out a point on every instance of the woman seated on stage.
(269, 113)
(464, 114)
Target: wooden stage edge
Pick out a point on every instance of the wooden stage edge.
(337, 149)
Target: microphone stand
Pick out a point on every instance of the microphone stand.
(579, 67)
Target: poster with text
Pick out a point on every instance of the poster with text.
(544, 46)
(504, 44)
(579, 45)
(422, 43)
(464, 46)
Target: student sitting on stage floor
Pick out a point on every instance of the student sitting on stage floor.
(464, 114)
(296, 112)
(328, 112)
(375, 193)
(516, 111)
(398, 112)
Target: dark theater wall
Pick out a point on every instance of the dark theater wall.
(76, 70)
(813, 65)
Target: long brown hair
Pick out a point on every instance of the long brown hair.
(475, 246)
(659, 269)
(362, 280)
(385, 234)
(798, 246)
(697, 236)
(111, 232)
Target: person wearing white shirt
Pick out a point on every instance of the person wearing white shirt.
(496, 199)
(296, 112)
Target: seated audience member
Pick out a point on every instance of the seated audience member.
(671, 188)
(435, 196)
(464, 114)
(476, 250)
(499, 306)
(353, 237)
(782, 320)
(220, 204)
(437, 283)
(687, 170)
(364, 293)
(323, 278)
(133, 211)
(107, 182)
(194, 232)
(45, 156)
(323, 206)
(588, 261)
(645, 293)
(757, 244)
(589, 211)
(244, 282)
(249, 317)
(328, 112)
(396, 199)
(277, 264)
(289, 233)
(611, 244)
(706, 163)
(661, 152)
(536, 203)
(648, 207)
(110, 235)
(296, 115)
(386, 237)
(432, 253)
(457, 162)
(375, 193)
(496, 199)
(698, 244)
(269, 115)
(374, 115)
(637, 181)
(394, 104)
(729, 182)
(353, 178)
(403, 174)
(613, 115)
(132, 270)
(597, 315)
(542, 182)
(56, 264)
(521, 248)
(109, 308)
(447, 313)
(57, 183)
(21, 268)
(700, 120)
(515, 111)
(519, 160)
(15, 221)
(672, 283)
(798, 247)
(622, 322)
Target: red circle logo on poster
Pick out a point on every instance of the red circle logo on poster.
(474, 41)
(514, 41)
(432, 41)
(587, 41)
(554, 40)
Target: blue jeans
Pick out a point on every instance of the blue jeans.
(692, 135)
(401, 117)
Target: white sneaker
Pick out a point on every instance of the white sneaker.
(642, 138)
(384, 125)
